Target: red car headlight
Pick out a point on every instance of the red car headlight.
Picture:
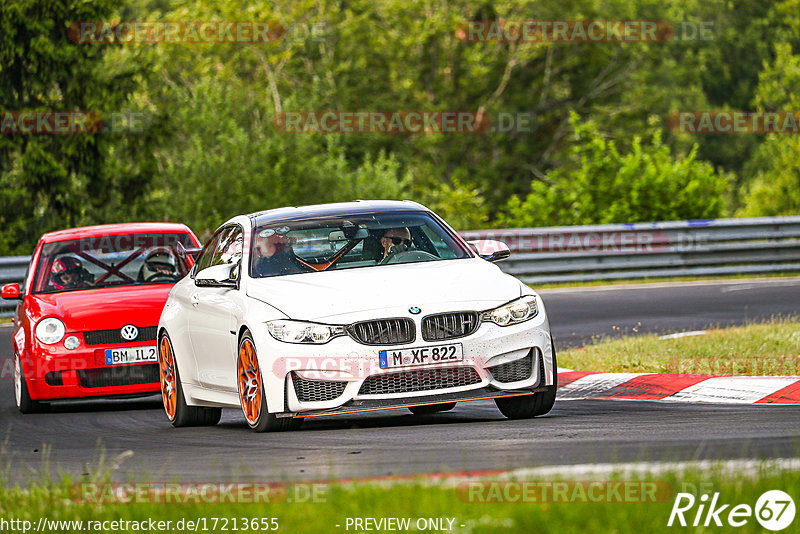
(50, 330)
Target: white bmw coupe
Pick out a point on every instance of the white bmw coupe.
(341, 308)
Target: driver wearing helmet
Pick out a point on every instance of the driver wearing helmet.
(68, 273)
(159, 265)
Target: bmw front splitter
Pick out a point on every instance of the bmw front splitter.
(374, 405)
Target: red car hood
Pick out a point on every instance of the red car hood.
(102, 309)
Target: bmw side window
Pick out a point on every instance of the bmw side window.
(229, 250)
(204, 260)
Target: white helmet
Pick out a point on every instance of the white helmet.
(160, 261)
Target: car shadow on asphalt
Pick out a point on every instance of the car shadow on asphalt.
(149, 402)
(388, 419)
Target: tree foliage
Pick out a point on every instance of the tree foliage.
(209, 148)
(52, 181)
(601, 184)
(773, 187)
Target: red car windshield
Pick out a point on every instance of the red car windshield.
(112, 261)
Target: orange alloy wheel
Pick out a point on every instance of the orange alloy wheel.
(166, 365)
(249, 382)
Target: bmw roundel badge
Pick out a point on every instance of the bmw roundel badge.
(414, 310)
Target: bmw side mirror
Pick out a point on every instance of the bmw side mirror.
(216, 276)
(490, 250)
(11, 292)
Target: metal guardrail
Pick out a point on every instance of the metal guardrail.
(650, 250)
(12, 269)
(617, 251)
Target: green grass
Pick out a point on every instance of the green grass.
(771, 348)
(415, 499)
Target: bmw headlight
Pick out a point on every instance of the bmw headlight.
(50, 330)
(514, 312)
(302, 332)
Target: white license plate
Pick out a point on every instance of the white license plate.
(420, 355)
(131, 355)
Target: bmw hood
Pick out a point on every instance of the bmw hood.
(466, 284)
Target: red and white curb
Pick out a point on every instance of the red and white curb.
(578, 385)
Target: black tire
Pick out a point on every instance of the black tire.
(186, 415)
(22, 396)
(432, 408)
(265, 421)
(531, 405)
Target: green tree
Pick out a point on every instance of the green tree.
(210, 147)
(60, 180)
(463, 207)
(775, 189)
(773, 172)
(227, 157)
(601, 184)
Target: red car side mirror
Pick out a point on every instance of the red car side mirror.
(11, 292)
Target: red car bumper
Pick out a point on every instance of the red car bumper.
(57, 373)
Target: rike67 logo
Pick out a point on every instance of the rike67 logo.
(774, 510)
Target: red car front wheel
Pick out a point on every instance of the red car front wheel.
(21, 395)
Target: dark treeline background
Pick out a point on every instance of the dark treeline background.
(205, 147)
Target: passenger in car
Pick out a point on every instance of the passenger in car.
(372, 249)
(275, 256)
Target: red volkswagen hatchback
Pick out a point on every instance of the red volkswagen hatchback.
(86, 322)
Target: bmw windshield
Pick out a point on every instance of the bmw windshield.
(348, 242)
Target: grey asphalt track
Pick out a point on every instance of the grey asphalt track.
(578, 315)
(132, 438)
